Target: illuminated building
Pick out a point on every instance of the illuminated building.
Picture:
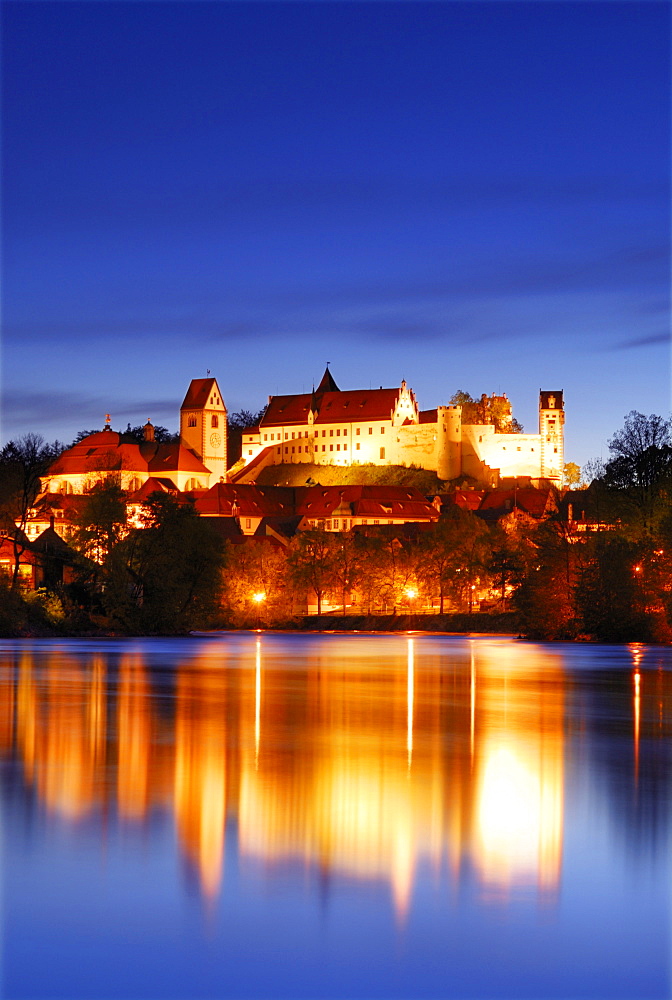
(386, 427)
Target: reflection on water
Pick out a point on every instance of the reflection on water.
(340, 765)
(368, 759)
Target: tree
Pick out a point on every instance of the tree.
(346, 567)
(22, 464)
(101, 522)
(257, 567)
(452, 553)
(161, 434)
(638, 477)
(546, 597)
(609, 595)
(311, 562)
(236, 423)
(487, 410)
(571, 476)
(165, 577)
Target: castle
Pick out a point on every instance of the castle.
(328, 426)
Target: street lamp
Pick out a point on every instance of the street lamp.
(259, 597)
(411, 593)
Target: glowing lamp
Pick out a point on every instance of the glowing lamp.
(259, 597)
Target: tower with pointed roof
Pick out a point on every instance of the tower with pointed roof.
(203, 425)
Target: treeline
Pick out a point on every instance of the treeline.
(599, 568)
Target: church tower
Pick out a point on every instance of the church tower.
(551, 430)
(203, 425)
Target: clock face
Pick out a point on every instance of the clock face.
(215, 440)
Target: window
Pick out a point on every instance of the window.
(336, 522)
(517, 449)
(286, 450)
(345, 447)
(292, 449)
(382, 430)
(328, 525)
(357, 446)
(279, 451)
(555, 451)
(338, 433)
(376, 522)
(249, 452)
(324, 434)
(299, 449)
(286, 435)
(331, 447)
(265, 437)
(248, 522)
(292, 435)
(370, 430)
(191, 421)
(214, 421)
(382, 453)
(338, 447)
(331, 434)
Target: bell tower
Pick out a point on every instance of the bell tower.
(203, 425)
(551, 430)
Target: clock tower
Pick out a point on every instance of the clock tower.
(203, 425)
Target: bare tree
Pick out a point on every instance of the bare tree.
(22, 463)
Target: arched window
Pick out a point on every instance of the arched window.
(191, 420)
(215, 421)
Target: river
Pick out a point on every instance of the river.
(262, 815)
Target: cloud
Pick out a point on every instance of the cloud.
(649, 340)
(24, 411)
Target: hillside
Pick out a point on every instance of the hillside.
(355, 475)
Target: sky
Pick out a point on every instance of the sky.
(466, 195)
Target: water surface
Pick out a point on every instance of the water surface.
(282, 815)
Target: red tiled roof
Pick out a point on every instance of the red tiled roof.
(175, 458)
(246, 500)
(287, 410)
(322, 501)
(428, 416)
(331, 407)
(533, 501)
(358, 404)
(199, 392)
(152, 485)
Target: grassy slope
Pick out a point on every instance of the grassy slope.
(355, 475)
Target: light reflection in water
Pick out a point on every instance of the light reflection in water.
(319, 772)
(409, 700)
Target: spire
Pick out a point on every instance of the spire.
(327, 384)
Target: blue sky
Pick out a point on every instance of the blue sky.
(465, 195)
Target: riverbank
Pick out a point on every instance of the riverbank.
(457, 623)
